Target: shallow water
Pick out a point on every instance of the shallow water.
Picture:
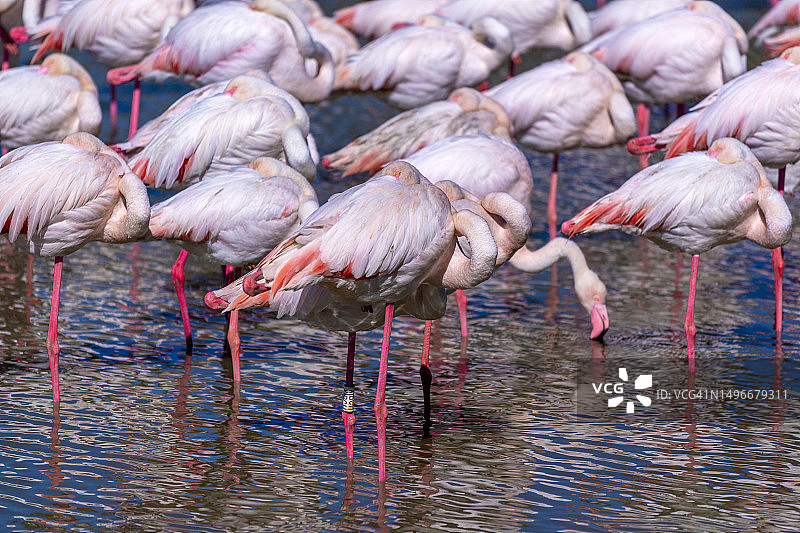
(150, 439)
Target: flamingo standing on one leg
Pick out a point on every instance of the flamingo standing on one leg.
(64, 195)
(235, 219)
(465, 111)
(758, 108)
(47, 103)
(564, 104)
(225, 39)
(674, 57)
(693, 203)
(115, 33)
(373, 244)
(246, 121)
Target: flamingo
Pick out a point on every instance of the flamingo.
(235, 219)
(589, 289)
(545, 23)
(47, 103)
(114, 32)
(415, 65)
(224, 39)
(145, 134)
(363, 246)
(760, 109)
(246, 121)
(676, 56)
(564, 104)
(64, 195)
(465, 111)
(378, 17)
(693, 203)
(620, 13)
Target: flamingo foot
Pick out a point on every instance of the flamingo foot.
(118, 76)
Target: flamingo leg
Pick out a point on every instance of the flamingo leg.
(552, 218)
(691, 331)
(113, 107)
(178, 278)
(380, 396)
(135, 99)
(777, 266)
(426, 378)
(233, 336)
(348, 399)
(461, 299)
(227, 277)
(643, 119)
(52, 332)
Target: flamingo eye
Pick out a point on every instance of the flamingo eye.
(488, 42)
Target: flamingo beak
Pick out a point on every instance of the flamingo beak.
(600, 321)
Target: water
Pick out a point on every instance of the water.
(148, 439)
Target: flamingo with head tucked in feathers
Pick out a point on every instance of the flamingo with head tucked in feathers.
(248, 120)
(235, 219)
(47, 102)
(225, 39)
(693, 203)
(568, 103)
(375, 18)
(64, 195)
(758, 108)
(415, 65)
(374, 244)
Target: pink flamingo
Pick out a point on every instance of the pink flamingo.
(416, 65)
(674, 57)
(564, 104)
(235, 219)
(248, 120)
(465, 111)
(693, 203)
(363, 246)
(620, 13)
(114, 32)
(378, 17)
(544, 24)
(47, 103)
(757, 108)
(224, 39)
(64, 195)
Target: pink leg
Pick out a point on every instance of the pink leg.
(178, 278)
(137, 96)
(227, 277)
(426, 378)
(52, 332)
(380, 396)
(552, 218)
(777, 266)
(3, 151)
(113, 107)
(233, 336)
(689, 324)
(643, 119)
(348, 399)
(461, 299)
